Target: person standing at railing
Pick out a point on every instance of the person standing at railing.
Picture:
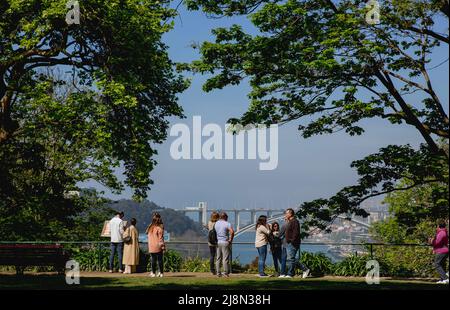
(212, 241)
(131, 247)
(225, 235)
(261, 241)
(156, 245)
(116, 226)
(440, 249)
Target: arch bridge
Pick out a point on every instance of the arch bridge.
(272, 216)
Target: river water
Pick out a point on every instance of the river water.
(245, 253)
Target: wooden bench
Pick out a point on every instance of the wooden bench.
(25, 255)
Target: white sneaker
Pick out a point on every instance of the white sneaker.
(152, 275)
(442, 282)
(305, 273)
(160, 275)
(288, 276)
(281, 276)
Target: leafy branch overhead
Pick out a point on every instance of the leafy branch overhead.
(321, 64)
(119, 82)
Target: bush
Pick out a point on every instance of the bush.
(92, 258)
(195, 264)
(318, 263)
(403, 261)
(172, 261)
(353, 265)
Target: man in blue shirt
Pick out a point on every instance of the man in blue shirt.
(225, 235)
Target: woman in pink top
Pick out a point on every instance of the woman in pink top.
(156, 245)
(440, 249)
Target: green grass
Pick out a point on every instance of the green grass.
(211, 283)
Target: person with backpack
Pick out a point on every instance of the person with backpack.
(440, 250)
(212, 241)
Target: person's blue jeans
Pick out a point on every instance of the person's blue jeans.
(262, 254)
(283, 260)
(291, 252)
(292, 260)
(116, 247)
(277, 259)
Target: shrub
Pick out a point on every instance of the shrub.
(318, 263)
(195, 264)
(353, 265)
(92, 258)
(172, 261)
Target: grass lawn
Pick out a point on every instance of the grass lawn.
(185, 281)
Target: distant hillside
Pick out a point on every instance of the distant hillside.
(177, 224)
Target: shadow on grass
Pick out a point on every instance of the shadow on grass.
(54, 282)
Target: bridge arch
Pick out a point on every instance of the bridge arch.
(251, 227)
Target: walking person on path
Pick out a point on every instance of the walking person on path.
(440, 250)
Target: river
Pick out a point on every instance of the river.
(245, 253)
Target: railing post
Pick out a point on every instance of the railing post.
(99, 256)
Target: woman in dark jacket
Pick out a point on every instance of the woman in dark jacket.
(276, 247)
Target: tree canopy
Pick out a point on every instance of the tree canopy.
(321, 63)
(79, 102)
(109, 103)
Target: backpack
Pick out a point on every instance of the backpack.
(212, 236)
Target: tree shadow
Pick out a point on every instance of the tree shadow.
(55, 282)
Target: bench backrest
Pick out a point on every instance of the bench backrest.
(31, 253)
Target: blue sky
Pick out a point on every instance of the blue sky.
(307, 169)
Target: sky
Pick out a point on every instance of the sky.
(307, 168)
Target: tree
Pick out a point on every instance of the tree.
(414, 215)
(321, 62)
(123, 89)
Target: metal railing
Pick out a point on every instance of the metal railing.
(367, 245)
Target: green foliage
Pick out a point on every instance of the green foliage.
(320, 63)
(405, 261)
(79, 101)
(173, 261)
(353, 265)
(93, 258)
(318, 263)
(195, 264)
(414, 216)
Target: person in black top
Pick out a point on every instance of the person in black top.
(276, 247)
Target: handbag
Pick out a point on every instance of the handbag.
(127, 238)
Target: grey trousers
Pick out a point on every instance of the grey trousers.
(439, 264)
(223, 256)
